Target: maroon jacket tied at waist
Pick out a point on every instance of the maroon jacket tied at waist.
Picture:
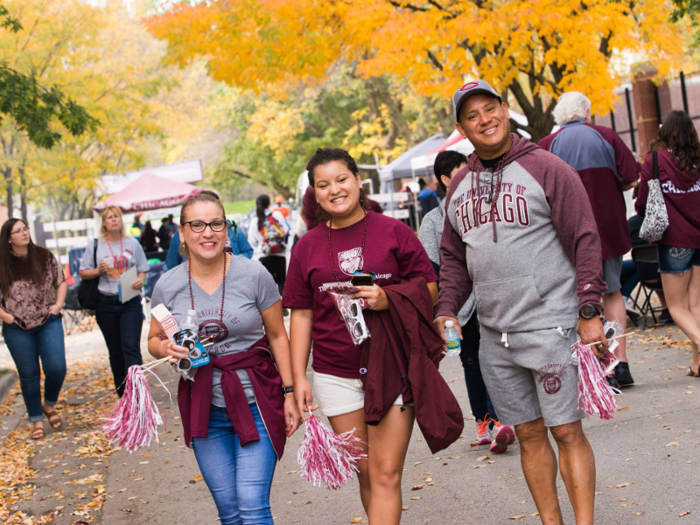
(194, 398)
(401, 357)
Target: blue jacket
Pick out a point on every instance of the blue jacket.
(239, 245)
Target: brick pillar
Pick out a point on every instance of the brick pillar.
(644, 100)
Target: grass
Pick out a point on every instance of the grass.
(241, 207)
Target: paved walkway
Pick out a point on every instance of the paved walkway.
(647, 459)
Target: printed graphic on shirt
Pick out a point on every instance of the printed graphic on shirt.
(472, 208)
(350, 260)
(550, 376)
(669, 187)
(118, 264)
(210, 327)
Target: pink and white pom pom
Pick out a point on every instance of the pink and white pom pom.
(133, 423)
(327, 458)
(595, 395)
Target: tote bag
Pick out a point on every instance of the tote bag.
(87, 289)
(656, 217)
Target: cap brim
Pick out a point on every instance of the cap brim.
(470, 93)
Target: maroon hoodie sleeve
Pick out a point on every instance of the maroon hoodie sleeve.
(627, 165)
(455, 282)
(573, 220)
(640, 205)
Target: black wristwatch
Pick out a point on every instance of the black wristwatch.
(588, 311)
(287, 390)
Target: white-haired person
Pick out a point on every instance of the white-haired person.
(607, 168)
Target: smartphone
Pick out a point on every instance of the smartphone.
(362, 279)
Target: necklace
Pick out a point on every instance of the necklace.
(494, 193)
(117, 263)
(330, 245)
(223, 296)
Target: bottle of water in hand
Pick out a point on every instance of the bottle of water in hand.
(453, 343)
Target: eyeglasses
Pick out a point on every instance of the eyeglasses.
(23, 230)
(217, 225)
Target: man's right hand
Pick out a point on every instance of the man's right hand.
(439, 323)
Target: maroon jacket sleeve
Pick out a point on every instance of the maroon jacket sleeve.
(455, 282)
(640, 205)
(627, 165)
(572, 217)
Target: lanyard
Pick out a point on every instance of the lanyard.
(117, 263)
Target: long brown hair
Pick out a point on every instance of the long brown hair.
(31, 270)
(204, 196)
(679, 135)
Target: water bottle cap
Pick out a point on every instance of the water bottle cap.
(192, 313)
(449, 324)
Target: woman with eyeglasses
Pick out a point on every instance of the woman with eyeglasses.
(33, 292)
(120, 322)
(240, 408)
(350, 238)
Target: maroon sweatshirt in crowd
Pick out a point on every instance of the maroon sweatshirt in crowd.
(681, 191)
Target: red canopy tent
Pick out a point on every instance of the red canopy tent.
(150, 192)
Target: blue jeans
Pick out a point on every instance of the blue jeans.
(239, 478)
(121, 326)
(677, 260)
(27, 347)
(628, 277)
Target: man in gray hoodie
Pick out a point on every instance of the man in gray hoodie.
(520, 233)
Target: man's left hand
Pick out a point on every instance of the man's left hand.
(374, 295)
(591, 330)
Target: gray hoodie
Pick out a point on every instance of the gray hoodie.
(533, 260)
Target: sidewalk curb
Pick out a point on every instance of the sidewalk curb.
(7, 381)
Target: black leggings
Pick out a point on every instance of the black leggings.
(277, 266)
(476, 389)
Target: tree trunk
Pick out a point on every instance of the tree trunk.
(7, 173)
(398, 125)
(23, 194)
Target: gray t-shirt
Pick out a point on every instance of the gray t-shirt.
(123, 256)
(249, 290)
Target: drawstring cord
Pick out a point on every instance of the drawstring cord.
(504, 339)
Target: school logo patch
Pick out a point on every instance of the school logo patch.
(550, 376)
(350, 260)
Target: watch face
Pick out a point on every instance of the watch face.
(588, 311)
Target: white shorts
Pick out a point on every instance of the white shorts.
(340, 395)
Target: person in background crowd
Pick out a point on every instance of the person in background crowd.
(237, 240)
(532, 257)
(488, 429)
(240, 409)
(310, 207)
(148, 238)
(172, 225)
(164, 237)
(393, 252)
(33, 291)
(267, 234)
(678, 153)
(136, 227)
(607, 169)
(427, 196)
(280, 207)
(119, 322)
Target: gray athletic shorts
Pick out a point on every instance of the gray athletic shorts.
(531, 378)
(612, 268)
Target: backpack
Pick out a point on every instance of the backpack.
(274, 241)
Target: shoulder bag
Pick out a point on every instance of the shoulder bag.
(656, 217)
(87, 290)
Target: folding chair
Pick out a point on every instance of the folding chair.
(646, 261)
(75, 317)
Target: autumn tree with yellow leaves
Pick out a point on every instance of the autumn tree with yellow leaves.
(530, 50)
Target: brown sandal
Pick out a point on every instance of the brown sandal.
(691, 373)
(37, 433)
(54, 419)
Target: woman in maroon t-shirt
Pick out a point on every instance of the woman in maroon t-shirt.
(678, 154)
(348, 238)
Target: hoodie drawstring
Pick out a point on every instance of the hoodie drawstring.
(504, 339)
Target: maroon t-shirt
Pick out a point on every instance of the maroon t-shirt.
(392, 251)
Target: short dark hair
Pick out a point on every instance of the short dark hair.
(445, 162)
(326, 155)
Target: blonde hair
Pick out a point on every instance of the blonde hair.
(105, 212)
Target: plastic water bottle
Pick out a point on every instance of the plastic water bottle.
(454, 345)
(190, 322)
